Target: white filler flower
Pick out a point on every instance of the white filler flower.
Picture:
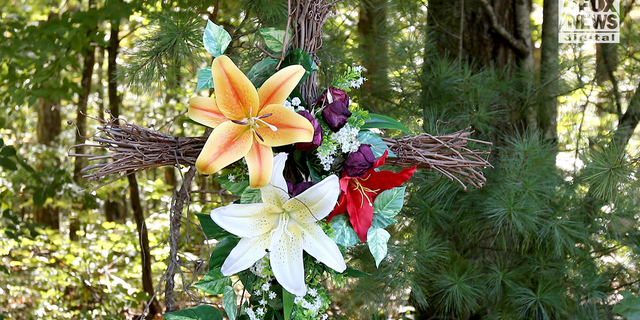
(282, 226)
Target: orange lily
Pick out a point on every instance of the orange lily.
(248, 122)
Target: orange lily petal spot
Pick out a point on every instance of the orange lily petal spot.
(278, 87)
(205, 111)
(289, 126)
(235, 94)
(260, 163)
(227, 143)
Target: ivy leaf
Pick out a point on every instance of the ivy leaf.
(629, 307)
(221, 251)
(213, 282)
(377, 144)
(273, 38)
(203, 312)
(377, 239)
(386, 207)
(205, 79)
(210, 228)
(251, 196)
(343, 234)
(237, 187)
(261, 71)
(215, 39)
(301, 57)
(383, 122)
(229, 302)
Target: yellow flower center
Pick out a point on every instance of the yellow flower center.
(357, 185)
(255, 122)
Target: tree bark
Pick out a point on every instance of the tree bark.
(549, 71)
(628, 122)
(49, 121)
(373, 31)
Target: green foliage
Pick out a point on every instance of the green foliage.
(203, 312)
(215, 39)
(171, 45)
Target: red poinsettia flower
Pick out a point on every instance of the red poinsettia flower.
(358, 193)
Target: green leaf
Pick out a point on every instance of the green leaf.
(237, 187)
(377, 239)
(8, 151)
(343, 234)
(251, 196)
(273, 38)
(229, 302)
(386, 206)
(8, 164)
(287, 303)
(203, 312)
(301, 57)
(377, 144)
(629, 307)
(261, 71)
(383, 122)
(205, 79)
(39, 196)
(221, 251)
(215, 39)
(213, 282)
(210, 228)
(354, 273)
(1, 141)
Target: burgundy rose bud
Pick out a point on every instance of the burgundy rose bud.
(332, 94)
(359, 162)
(336, 115)
(298, 188)
(317, 133)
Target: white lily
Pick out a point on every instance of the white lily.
(282, 226)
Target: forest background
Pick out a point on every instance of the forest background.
(554, 233)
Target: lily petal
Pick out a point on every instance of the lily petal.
(384, 180)
(276, 191)
(278, 87)
(260, 163)
(245, 254)
(289, 126)
(360, 212)
(286, 261)
(316, 202)
(320, 246)
(235, 94)
(205, 111)
(247, 220)
(227, 143)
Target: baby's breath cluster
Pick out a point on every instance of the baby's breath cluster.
(352, 78)
(345, 140)
(294, 105)
(313, 305)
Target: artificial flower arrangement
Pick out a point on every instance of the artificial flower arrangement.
(309, 181)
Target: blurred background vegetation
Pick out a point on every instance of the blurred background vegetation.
(554, 234)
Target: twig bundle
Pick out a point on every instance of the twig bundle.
(446, 154)
(133, 148)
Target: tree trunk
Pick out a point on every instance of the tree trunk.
(143, 237)
(374, 35)
(114, 107)
(49, 121)
(549, 71)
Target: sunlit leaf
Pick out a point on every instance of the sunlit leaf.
(215, 39)
(205, 79)
(273, 38)
(377, 144)
(383, 122)
(229, 302)
(386, 207)
(343, 234)
(377, 239)
(261, 71)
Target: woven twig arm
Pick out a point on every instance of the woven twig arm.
(446, 154)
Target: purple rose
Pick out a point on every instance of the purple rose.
(331, 95)
(336, 115)
(317, 133)
(298, 188)
(359, 162)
